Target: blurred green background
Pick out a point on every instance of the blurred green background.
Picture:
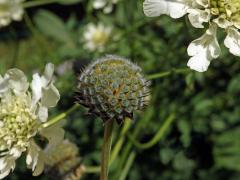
(203, 140)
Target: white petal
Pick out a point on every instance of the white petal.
(203, 50)
(87, 35)
(35, 158)
(2, 163)
(175, 10)
(4, 173)
(222, 22)
(98, 4)
(54, 134)
(43, 114)
(232, 41)
(4, 84)
(199, 62)
(36, 87)
(40, 164)
(50, 96)
(195, 47)
(32, 156)
(17, 81)
(91, 28)
(18, 13)
(16, 153)
(208, 40)
(204, 3)
(197, 17)
(237, 24)
(48, 73)
(108, 9)
(42, 88)
(7, 164)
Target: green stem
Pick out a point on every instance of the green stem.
(157, 137)
(60, 116)
(106, 149)
(118, 145)
(92, 169)
(126, 151)
(167, 73)
(116, 149)
(35, 3)
(128, 166)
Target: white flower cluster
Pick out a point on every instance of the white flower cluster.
(106, 5)
(217, 13)
(21, 114)
(10, 10)
(96, 36)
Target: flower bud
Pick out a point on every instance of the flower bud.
(112, 88)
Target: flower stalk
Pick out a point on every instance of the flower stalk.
(60, 117)
(129, 163)
(108, 127)
(158, 136)
(118, 145)
(167, 73)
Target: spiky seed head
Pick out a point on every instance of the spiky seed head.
(112, 88)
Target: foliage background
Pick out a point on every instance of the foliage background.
(202, 142)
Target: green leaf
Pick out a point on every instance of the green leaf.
(185, 129)
(204, 105)
(181, 162)
(233, 86)
(166, 155)
(52, 26)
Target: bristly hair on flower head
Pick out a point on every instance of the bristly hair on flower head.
(216, 13)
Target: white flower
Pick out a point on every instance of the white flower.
(10, 10)
(106, 5)
(224, 13)
(21, 114)
(96, 37)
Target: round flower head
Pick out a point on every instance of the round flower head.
(21, 114)
(64, 157)
(64, 162)
(10, 10)
(112, 88)
(217, 13)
